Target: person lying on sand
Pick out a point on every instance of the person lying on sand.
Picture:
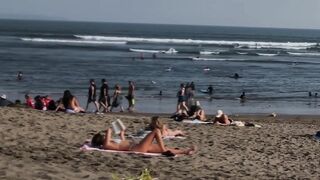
(165, 131)
(146, 145)
(223, 120)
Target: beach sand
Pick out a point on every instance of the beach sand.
(46, 145)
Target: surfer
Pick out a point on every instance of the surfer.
(210, 90)
(236, 76)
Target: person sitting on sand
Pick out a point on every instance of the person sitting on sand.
(221, 119)
(29, 101)
(4, 101)
(69, 103)
(146, 145)
(165, 131)
(196, 112)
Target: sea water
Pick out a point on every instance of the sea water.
(278, 67)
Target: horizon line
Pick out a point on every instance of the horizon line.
(148, 23)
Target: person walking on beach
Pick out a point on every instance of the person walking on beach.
(130, 96)
(117, 98)
(104, 99)
(181, 105)
(92, 94)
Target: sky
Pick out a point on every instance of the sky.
(253, 13)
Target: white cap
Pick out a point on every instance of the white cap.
(219, 113)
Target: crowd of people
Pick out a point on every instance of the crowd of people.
(187, 105)
(69, 103)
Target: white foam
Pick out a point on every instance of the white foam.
(209, 59)
(249, 44)
(72, 41)
(303, 54)
(267, 54)
(209, 52)
(144, 50)
(242, 53)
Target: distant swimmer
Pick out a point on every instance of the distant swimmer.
(141, 56)
(235, 76)
(243, 97)
(210, 90)
(19, 75)
(154, 56)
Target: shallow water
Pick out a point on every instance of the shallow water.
(278, 66)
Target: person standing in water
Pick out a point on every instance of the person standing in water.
(92, 94)
(130, 96)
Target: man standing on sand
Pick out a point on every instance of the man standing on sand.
(92, 94)
(130, 96)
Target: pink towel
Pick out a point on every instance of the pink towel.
(87, 147)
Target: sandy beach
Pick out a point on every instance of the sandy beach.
(46, 145)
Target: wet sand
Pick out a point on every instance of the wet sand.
(45, 145)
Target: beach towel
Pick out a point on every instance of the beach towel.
(88, 147)
(196, 121)
(241, 124)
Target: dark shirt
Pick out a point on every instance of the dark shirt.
(92, 91)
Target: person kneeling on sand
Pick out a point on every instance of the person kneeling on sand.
(165, 131)
(146, 145)
(69, 103)
(196, 112)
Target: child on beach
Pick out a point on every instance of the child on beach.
(146, 145)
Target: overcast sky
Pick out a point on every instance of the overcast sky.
(255, 13)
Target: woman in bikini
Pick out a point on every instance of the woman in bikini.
(222, 119)
(69, 103)
(146, 145)
(157, 124)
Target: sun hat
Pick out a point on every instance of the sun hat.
(219, 113)
(3, 96)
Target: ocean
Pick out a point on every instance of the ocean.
(278, 67)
